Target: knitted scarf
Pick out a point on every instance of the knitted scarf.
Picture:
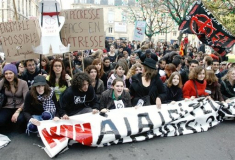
(48, 104)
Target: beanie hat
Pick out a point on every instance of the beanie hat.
(10, 67)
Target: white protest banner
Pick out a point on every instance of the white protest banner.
(139, 31)
(17, 39)
(131, 125)
(83, 29)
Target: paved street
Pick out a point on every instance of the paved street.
(217, 144)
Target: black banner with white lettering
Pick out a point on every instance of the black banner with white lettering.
(201, 22)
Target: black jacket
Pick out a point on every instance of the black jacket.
(29, 77)
(156, 89)
(173, 94)
(72, 100)
(227, 90)
(106, 100)
(30, 108)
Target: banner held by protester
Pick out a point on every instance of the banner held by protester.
(131, 125)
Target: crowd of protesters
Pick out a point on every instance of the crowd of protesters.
(124, 74)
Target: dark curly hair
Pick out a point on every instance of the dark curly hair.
(78, 80)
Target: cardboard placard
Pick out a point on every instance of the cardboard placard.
(83, 29)
(18, 37)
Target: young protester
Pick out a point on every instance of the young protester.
(21, 69)
(161, 67)
(112, 55)
(45, 64)
(31, 71)
(40, 104)
(96, 83)
(107, 65)
(118, 73)
(213, 86)
(58, 79)
(147, 86)
(184, 74)
(174, 88)
(196, 85)
(115, 97)
(15, 91)
(208, 62)
(215, 68)
(169, 69)
(228, 84)
(135, 69)
(101, 74)
(79, 98)
(78, 60)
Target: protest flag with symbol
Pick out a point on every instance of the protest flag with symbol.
(209, 30)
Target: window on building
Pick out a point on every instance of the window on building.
(97, 1)
(103, 2)
(131, 2)
(118, 2)
(162, 33)
(174, 33)
(90, 1)
(110, 29)
(76, 1)
(111, 16)
(82, 1)
(110, 2)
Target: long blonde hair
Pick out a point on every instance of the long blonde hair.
(226, 76)
(131, 71)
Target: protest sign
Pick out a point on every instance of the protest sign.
(131, 125)
(139, 31)
(83, 29)
(17, 39)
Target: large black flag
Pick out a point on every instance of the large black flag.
(201, 22)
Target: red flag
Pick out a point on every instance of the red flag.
(181, 49)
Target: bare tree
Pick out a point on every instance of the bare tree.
(153, 12)
(178, 10)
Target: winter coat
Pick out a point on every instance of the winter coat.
(106, 100)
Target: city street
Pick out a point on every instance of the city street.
(217, 143)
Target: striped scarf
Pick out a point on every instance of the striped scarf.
(48, 104)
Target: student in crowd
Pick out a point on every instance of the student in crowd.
(213, 86)
(115, 97)
(58, 79)
(101, 74)
(118, 73)
(196, 85)
(147, 85)
(208, 62)
(40, 104)
(184, 74)
(174, 88)
(228, 84)
(21, 69)
(78, 60)
(112, 55)
(45, 64)
(31, 71)
(169, 69)
(79, 98)
(161, 67)
(107, 65)
(215, 68)
(15, 91)
(132, 60)
(135, 69)
(96, 83)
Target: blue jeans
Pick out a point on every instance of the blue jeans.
(44, 116)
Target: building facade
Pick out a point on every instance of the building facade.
(25, 9)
